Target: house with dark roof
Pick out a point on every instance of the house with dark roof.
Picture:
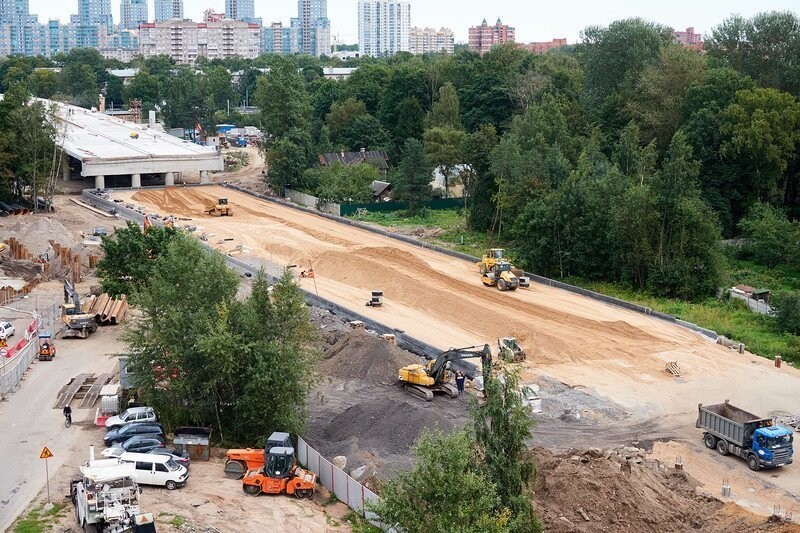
(373, 157)
(381, 190)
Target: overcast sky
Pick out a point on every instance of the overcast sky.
(534, 21)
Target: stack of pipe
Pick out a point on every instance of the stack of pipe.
(106, 310)
(18, 250)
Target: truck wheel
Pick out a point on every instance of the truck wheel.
(171, 485)
(710, 440)
(722, 447)
(752, 462)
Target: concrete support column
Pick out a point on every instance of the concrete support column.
(136, 181)
(65, 169)
(169, 179)
(99, 182)
(204, 177)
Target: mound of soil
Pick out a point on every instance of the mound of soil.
(360, 355)
(35, 233)
(385, 425)
(602, 491)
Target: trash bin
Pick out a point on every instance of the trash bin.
(194, 441)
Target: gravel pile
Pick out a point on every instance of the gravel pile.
(363, 356)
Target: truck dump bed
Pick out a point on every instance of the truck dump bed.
(729, 422)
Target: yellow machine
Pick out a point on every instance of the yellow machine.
(434, 376)
(509, 350)
(220, 209)
(492, 256)
(78, 323)
(497, 270)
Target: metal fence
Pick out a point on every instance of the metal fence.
(347, 490)
(18, 357)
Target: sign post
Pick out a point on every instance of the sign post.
(46, 454)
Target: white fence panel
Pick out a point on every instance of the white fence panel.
(355, 495)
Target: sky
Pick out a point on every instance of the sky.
(534, 21)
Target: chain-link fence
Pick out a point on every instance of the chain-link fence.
(17, 357)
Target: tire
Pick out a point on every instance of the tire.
(482, 268)
(501, 284)
(303, 493)
(253, 490)
(170, 485)
(710, 441)
(722, 447)
(67, 421)
(752, 463)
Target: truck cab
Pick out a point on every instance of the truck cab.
(773, 445)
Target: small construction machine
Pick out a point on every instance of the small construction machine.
(240, 460)
(47, 349)
(509, 350)
(79, 324)
(494, 266)
(220, 209)
(435, 376)
(280, 474)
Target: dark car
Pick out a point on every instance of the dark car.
(130, 430)
(178, 457)
(138, 444)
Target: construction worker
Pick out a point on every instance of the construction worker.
(460, 379)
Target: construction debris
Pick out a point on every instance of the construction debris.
(674, 369)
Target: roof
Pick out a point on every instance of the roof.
(379, 187)
(107, 470)
(123, 72)
(745, 288)
(776, 431)
(143, 457)
(280, 450)
(356, 158)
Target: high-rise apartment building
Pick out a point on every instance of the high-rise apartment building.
(169, 9)
(311, 30)
(14, 16)
(184, 41)
(93, 22)
(689, 38)
(132, 13)
(484, 37)
(276, 39)
(240, 10)
(209, 15)
(431, 40)
(383, 27)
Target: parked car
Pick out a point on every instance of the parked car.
(137, 443)
(7, 330)
(178, 457)
(154, 469)
(132, 414)
(127, 431)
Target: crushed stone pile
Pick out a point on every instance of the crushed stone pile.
(622, 491)
(385, 425)
(331, 327)
(360, 355)
(36, 232)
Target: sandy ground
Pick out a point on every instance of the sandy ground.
(607, 351)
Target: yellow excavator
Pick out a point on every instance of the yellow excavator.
(220, 209)
(434, 376)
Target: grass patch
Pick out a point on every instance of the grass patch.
(177, 521)
(331, 499)
(359, 524)
(38, 520)
(445, 227)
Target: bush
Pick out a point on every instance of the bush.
(787, 311)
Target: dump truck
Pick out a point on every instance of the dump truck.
(757, 440)
(106, 498)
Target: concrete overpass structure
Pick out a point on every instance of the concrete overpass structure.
(106, 146)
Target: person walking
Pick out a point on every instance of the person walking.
(460, 379)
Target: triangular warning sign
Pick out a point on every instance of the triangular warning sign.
(46, 454)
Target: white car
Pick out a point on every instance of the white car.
(7, 330)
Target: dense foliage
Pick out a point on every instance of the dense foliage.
(202, 357)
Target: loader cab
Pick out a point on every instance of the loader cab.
(496, 253)
(280, 463)
(223, 201)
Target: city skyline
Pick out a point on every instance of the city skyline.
(566, 19)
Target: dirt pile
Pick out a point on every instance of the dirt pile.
(622, 491)
(36, 232)
(363, 356)
(385, 425)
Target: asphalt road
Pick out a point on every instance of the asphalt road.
(29, 422)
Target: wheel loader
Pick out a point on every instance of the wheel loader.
(220, 209)
(434, 376)
(280, 474)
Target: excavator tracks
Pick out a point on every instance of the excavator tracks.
(423, 393)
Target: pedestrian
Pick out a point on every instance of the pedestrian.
(460, 378)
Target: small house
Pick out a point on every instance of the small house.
(374, 157)
(381, 191)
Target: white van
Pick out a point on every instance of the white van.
(154, 469)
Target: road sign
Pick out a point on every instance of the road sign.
(46, 454)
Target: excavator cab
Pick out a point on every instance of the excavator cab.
(69, 309)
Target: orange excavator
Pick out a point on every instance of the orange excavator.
(280, 474)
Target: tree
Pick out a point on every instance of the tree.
(443, 146)
(787, 311)
(364, 132)
(344, 183)
(480, 185)
(129, 257)
(445, 491)
(184, 103)
(444, 112)
(145, 87)
(286, 161)
(412, 181)
(501, 428)
(770, 238)
(114, 92)
(284, 102)
(219, 87)
(43, 83)
(342, 114)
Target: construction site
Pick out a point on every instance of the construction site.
(615, 441)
